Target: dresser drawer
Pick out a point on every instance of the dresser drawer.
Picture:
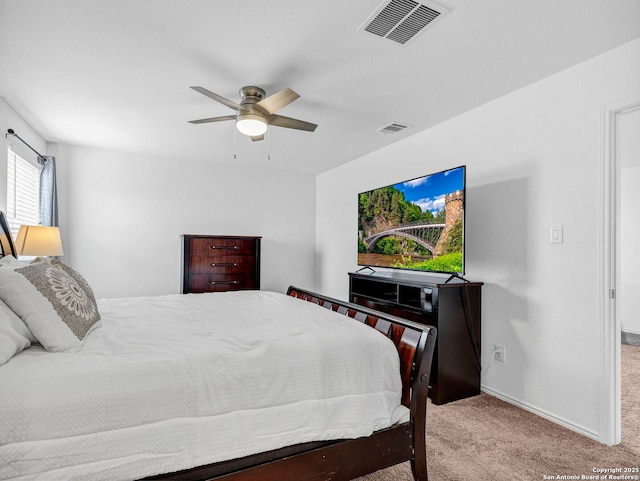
(221, 264)
(218, 283)
(222, 247)
(213, 263)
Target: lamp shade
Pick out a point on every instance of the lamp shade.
(39, 240)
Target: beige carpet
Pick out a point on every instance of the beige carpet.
(483, 438)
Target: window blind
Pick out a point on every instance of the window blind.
(23, 192)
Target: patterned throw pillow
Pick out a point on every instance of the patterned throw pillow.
(76, 277)
(56, 308)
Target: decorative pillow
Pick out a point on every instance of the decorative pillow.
(70, 271)
(56, 309)
(76, 277)
(14, 335)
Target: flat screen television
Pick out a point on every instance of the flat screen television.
(416, 225)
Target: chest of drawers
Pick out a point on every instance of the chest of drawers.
(220, 263)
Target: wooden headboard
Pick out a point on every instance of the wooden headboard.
(6, 241)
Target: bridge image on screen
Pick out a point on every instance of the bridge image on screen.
(417, 224)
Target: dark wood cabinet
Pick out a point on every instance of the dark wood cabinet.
(220, 263)
(453, 308)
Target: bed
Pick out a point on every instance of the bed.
(248, 385)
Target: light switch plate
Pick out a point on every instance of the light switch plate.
(556, 235)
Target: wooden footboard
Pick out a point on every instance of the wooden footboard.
(405, 334)
(344, 460)
(415, 344)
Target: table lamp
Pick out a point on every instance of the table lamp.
(39, 240)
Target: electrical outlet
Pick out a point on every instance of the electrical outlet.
(498, 351)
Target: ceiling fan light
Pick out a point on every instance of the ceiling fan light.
(251, 125)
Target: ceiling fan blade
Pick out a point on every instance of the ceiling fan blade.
(256, 138)
(213, 119)
(219, 98)
(275, 102)
(289, 123)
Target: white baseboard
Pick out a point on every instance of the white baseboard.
(542, 413)
(631, 331)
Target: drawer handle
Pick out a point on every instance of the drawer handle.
(223, 282)
(225, 247)
(233, 264)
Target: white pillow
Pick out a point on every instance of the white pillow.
(57, 310)
(14, 335)
(12, 262)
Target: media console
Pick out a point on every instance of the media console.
(453, 308)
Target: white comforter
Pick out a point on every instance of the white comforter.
(176, 381)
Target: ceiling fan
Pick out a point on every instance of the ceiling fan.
(256, 111)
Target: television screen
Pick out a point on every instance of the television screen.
(417, 224)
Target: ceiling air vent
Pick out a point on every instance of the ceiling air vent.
(393, 128)
(401, 20)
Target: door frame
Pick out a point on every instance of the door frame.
(610, 424)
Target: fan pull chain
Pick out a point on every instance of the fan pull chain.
(268, 144)
(235, 142)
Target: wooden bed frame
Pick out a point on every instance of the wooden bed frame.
(347, 459)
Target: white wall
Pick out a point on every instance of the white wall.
(121, 216)
(533, 161)
(629, 253)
